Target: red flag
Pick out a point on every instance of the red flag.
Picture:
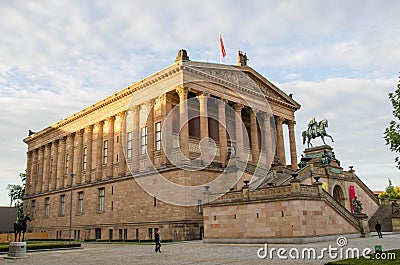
(221, 44)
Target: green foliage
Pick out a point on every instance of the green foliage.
(391, 192)
(392, 133)
(16, 192)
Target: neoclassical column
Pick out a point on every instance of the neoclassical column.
(99, 150)
(110, 149)
(89, 154)
(183, 121)
(166, 129)
(61, 163)
(34, 171)
(71, 169)
(239, 130)
(28, 181)
(150, 134)
(223, 144)
(39, 183)
(268, 138)
(205, 152)
(280, 144)
(46, 167)
(292, 144)
(121, 154)
(54, 148)
(135, 139)
(255, 150)
(78, 157)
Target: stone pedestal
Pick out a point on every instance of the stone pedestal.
(323, 156)
(17, 250)
(363, 222)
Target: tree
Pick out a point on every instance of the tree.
(16, 192)
(392, 133)
(391, 192)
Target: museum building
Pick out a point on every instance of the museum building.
(196, 150)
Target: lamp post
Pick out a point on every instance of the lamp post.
(70, 208)
(9, 220)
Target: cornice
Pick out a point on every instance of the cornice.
(155, 78)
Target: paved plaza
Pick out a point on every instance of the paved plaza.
(191, 252)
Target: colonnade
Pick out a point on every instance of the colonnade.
(90, 154)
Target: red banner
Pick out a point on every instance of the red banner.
(352, 195)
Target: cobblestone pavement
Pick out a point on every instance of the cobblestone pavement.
(192, 252)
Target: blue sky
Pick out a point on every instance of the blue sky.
(339, 59)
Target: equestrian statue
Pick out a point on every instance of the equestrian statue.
(20, 226)
(315, 129)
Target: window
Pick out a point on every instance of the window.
(84, 158)
(101, 200)
(110, 234)
(120, 234)
(129, 144)
(143, 142)
(105, 151)
(199, 209)
(33, 208)
(66, 163)
(62, 205)
(51, 169)
(158, 135)
(46, 206)
(125, 234)
(150, 233)
(80, 202)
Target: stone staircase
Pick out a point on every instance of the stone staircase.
(384, 216)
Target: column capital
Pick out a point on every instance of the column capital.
(135, 108)
(238, 107)
(80, 132)
(203, 96)
(121, 114)
(99, 124)
(41, 148)
(150, 103)
(279, 119)
(182, 91)
(110, 119)
(290, 123)
(89, 128)
(48, 144)
(71, 135)
(224, 100)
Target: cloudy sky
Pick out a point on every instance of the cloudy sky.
(339, 59)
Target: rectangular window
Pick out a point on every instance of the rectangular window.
(158, 135)
(66, 163)
(199, 209)
(62, 205)
(110, 234)
(46, 206)
(84, 158)
(129, 144)
(143, 140)
(120, 234)
(101, 200)
(125, 234)
(105, 151)
(33, 208)
(51, 168)
(80, 202)
(150, 233)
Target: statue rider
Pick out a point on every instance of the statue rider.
(20, 216)
(312, 127)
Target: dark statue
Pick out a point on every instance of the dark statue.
(315, 129)
(20, 226)
(357, 205)
(242, 59)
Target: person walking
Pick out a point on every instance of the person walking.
(158, 241)
(378, 229)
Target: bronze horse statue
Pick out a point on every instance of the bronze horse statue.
(315, 130)
(20, 227)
